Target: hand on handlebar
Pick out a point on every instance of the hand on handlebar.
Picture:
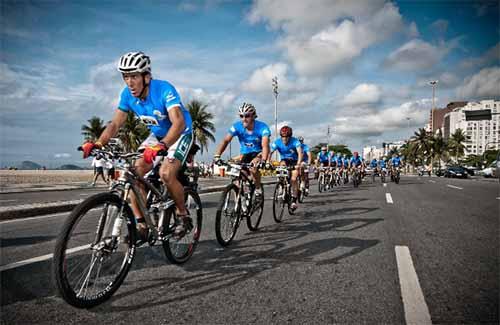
(151, 152)
(88, 146)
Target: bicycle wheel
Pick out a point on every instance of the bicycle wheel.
(257, 209)
(396, 178)
(279, 202)
(91, 257)
(179, 250)
(321, 184)
(227, 217)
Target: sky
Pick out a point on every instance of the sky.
(360, 68)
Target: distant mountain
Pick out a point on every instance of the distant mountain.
(70, 167)
(29, 165)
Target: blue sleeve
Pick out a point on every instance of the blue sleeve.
(274, 146)
(171, 97)
(298, 144)
(233, 130)
(266, 132)
(123, 104)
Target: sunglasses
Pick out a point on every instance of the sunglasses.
(245, 115)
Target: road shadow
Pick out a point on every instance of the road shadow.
(23, 241)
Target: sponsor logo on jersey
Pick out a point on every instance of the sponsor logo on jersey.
(159, 115)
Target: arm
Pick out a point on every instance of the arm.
(178, 125)
(113, 126)
(265, 148)
(227, 139)
(301, 154)
(310, 157)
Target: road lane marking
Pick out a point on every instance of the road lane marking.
(1, 201)
(453, 186)
(416, 310)
(385, 184)
(388, 198)
(432, 181)
(39, 258)
(498, 198)
(35, 218)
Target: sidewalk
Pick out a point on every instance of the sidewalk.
(206, 185)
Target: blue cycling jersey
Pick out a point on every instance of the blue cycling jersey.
(305, 151)
(250, 141)
(396, 161)
(323, 157)
(373, 163)
(340, 161)
(153, 111)
(288, 151)
(356, 161)
(381, 163)
(346, 162)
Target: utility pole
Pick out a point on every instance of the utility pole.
(433, 84)
(275, 91)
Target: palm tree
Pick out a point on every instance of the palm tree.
(93, 130)
(422, 146)
(132, 133)
(202, 124)
(456, 144)
(438, 147)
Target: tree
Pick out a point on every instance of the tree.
(422, 145)
(439, 148)
(132, 133)
(456, 144)
(202, 123)
(93, 130)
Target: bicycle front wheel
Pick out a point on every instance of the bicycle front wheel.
(279, 202)
(92, 256)
(179, 250)
(321, 183)
(254, 217)
(227, 217)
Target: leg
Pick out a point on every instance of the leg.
(168, 173)
(141, 169)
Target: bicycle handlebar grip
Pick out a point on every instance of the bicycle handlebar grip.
(79, 148)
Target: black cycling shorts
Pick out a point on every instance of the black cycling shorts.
(248, 157)
(290, 162)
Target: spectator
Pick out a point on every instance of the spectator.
(98, 164)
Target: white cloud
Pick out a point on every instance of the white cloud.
(484, 84)
(331, 33)
(413, 30)
(62, 155)
(492, 55)
(363, 94)
(417, 55)
(261, 79)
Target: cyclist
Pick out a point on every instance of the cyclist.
(381, 165)
(333, 168)
(253, 136)
(307, 157)
(395, 163)
(323, 159)
(290, 151)
(356, 161)
(158, 105)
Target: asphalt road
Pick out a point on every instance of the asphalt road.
(340, 259)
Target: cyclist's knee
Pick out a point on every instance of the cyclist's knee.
(169, 170)
(141, 167)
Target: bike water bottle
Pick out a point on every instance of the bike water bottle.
(117, 226)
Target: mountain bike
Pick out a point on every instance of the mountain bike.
(356, 176)
(322, 178)
(303, 189)
(395, 174)
(238, 201)
(282, 193)
(97, 244)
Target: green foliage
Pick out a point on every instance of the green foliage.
(93, 130)
(132, 133)
(203, 126)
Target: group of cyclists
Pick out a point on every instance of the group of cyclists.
(158, 104)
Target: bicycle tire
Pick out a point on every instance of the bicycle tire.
(234, 217)
(179, 251)
(61, 266)
(320, 183)
(278, 203)
(254, 218)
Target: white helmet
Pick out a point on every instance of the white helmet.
(247, 108)
(134, 62)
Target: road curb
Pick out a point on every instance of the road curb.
(31, 210)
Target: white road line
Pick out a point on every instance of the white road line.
(498, 198)
(432, 181)
(388, 198)
(453, 186)
(416, 310)
(39, 258)
(1, 201)
(385, 184)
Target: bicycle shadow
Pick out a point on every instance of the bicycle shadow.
(274, 246)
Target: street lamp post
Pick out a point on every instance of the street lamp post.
(275, 91)
(433, 84)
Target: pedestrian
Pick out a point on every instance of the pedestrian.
(98, 164)
(110, 168)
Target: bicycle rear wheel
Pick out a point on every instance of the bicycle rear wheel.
(255, 215)
(92, 258)
(321, 183)
(179, 250)
(227, 217)
(279, 202)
